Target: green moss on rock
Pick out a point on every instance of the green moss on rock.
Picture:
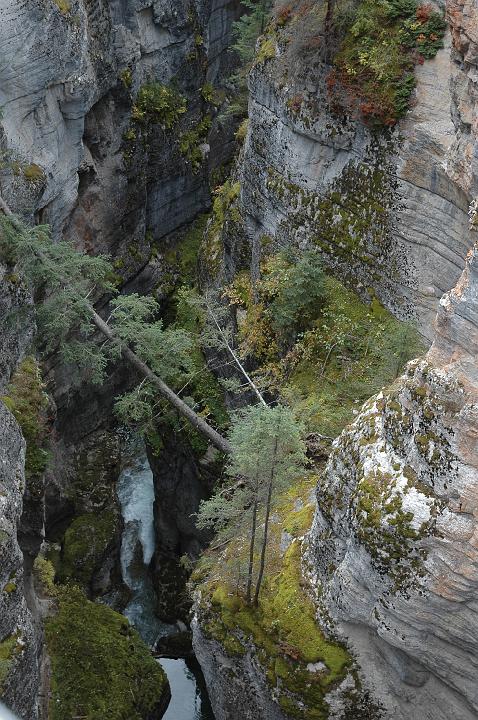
(9, 648)
(84, 546)
(299, 661)
(27, 401)
(100, 666)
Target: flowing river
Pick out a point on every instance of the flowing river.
(135, 488)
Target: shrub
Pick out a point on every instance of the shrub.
(299, 297)
(161, 104)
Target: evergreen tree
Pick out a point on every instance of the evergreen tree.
(249, 27)
(246, 32)
(65, 282)
(300, 297)
(267, 453)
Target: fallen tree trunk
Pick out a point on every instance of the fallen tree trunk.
(215, 438)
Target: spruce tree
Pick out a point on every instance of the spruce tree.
(267, 453)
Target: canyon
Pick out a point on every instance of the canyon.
(388, 554)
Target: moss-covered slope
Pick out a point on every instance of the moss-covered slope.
(100, 666)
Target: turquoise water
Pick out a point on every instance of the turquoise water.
(135, 488)
(189, 700)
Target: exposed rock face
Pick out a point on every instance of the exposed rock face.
(392, 552)
(69, 77)
(393, 545)
(19, 638)
(236, 686)
(386, 212)
(72, 155)
(15, 322)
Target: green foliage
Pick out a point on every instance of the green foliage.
(267, 50)
(183, 257)
(351, 353)
(165, 350)
(10, 647)
(264, 440)
(242, 130)
(28, 402)
(158, 104)
(64, 6)
(208, 93)
(100, 666)
(267, 453)
(246, 32)
(340, 352)
(126, 77)
(44, 572)
(375, 63)
(64, 278)
(224, 208)
(283, 628)
(300, 294)
(249, 27)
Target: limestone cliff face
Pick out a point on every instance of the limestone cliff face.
(392, 553)
(70, 74)
(72, 155)
(393, 545)
(387, 212)
(19, 636)
(393, 542)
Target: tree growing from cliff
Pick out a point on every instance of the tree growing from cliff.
(65, 282)
(245, 32)
(249, 27)
(268, 452)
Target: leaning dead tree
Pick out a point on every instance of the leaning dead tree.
(198, 422)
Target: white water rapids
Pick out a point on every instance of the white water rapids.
(135, 490)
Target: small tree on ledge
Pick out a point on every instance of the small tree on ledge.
(268, 452)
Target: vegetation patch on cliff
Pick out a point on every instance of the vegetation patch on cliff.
(84, 546)
(317, 344)
(9, 648)
(385, 40)
(27, 401)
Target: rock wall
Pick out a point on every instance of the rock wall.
(71, 155)
(392, 553)
(19, 635)
(393, 542)
(386, 210)
(393, 545)
(70, 74)
(236, 686)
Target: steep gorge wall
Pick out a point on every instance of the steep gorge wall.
(385, 209)
(391, 556)
(72, 156)
(19, 634)
(70, 73)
